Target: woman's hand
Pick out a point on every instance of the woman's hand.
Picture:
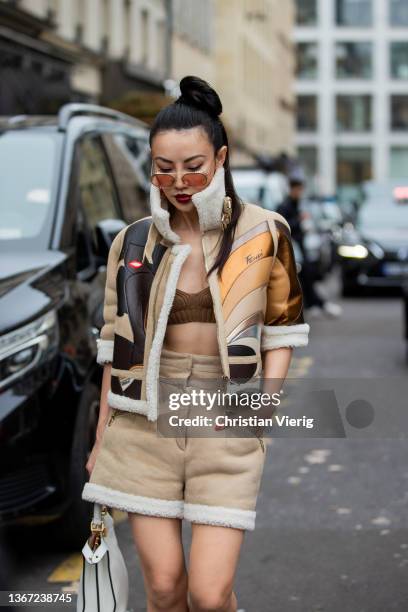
(276, 364)
(92, 457)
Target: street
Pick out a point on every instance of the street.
(131, 133)
(331, 530)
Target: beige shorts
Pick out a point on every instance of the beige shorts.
(205, 477)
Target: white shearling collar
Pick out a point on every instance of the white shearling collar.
(208, 202)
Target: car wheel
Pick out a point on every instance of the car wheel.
(350, 288)
(73, 528)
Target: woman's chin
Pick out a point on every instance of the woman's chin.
(188, 207)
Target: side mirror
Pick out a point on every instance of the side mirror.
(105, 232)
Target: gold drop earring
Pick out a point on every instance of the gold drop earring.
(226, 212)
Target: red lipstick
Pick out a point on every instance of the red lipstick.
(183, 199)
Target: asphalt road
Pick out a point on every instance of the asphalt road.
(332, 524)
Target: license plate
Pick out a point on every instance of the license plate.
(395, 269)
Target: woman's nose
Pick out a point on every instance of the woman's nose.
(179, 182)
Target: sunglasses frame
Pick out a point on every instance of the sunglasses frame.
(173, 176)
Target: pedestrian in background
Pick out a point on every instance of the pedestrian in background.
(290, 208)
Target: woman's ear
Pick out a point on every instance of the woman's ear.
(221, 155)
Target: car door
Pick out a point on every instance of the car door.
(94, 197)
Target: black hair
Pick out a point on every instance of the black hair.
(296, 182)
(200, 106)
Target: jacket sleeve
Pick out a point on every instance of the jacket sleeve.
(284, 325)
(107, 333)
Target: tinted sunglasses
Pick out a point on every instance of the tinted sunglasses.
(190, 179)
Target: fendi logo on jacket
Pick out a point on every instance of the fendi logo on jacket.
(251, 258)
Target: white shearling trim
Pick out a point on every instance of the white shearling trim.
(132, 503)
(161, 216)
(279, 336)
(209, 202)
(126, 403)
(181, 251)
(105, 351)
(220, 515)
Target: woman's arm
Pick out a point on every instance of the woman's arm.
(104, 415)
(104, 409)
(284, 326)
(276, 364)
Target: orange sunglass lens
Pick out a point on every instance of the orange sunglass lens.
(162, 180)
(195, 179)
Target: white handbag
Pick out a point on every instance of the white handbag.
(104, 582)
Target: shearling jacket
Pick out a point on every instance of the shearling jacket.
(258, 301)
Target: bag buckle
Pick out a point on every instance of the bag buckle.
(99, 528)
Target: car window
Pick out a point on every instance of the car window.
(96, 186)
(127, 156)
(28, 177)
(383, 217)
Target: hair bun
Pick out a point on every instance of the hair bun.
(198, 93)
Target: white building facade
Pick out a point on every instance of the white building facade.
(352, 92)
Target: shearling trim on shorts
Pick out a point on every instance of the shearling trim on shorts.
(105, 351)
(277, 336)
(220, 515)
(132, 503)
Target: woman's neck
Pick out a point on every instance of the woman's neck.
(184, 221)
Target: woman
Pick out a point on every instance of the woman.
(204, 290)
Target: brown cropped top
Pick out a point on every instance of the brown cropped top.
(189, 307)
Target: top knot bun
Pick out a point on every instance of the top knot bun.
(198, 93)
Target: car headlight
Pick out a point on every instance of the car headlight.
(23, 348)
(355, 251)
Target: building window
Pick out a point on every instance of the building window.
(127, 30)
(399, 13)
(398, 162)
(399, 112)
(354, 165)
(80, 22)
(354, 13)
(307, 113)
(161, 44)
(105, 26)
(354, 60)
(306, 60)
(306, 12)
(399, 60)
(353, 113)
(52, 9)
(144, 24)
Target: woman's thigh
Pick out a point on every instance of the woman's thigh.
(214, 556)
(159, 545)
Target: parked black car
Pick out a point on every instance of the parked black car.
(373, 252)
(68, 184)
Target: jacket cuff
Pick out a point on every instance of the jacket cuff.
(105, 351)
(278, 336)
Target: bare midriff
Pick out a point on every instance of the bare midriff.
(193, 337)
